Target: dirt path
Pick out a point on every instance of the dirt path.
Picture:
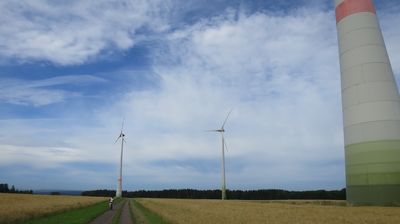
(107, 216)
(125, 214)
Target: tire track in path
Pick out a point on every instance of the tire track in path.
(125, 217)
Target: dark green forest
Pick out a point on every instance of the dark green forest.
(272, 194)
(5, 189)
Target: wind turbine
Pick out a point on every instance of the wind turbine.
(122, 137)
(222, 130)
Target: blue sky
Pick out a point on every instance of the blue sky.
(70, 71)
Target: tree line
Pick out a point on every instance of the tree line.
(5, 189)
(271, 194)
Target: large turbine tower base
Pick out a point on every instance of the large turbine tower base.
(371, 107)
(223, 193)
(118, 194)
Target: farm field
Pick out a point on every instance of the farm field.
(142, 215)
(20, 207)
(179, 211)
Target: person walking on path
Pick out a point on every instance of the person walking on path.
(110, 203)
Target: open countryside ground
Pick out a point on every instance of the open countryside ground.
(179, 211)
(19, 207)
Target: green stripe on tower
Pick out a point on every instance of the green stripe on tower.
(373, 172)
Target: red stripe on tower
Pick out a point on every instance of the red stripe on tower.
(350, 7)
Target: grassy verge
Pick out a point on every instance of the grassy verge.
(117, 216)
(117, 200)
(76, 216)
(145, 215)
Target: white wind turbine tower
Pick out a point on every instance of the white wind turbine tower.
(122, 137)
(222, 130)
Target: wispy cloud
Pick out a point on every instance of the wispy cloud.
(45, 157)
(389, 21)
(73, 32)
(38, 92)
(281, 75)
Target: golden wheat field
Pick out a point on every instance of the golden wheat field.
(15, 207)
(320, 212)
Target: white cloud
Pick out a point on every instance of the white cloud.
(280, 73)
(72, 32)
(282, 81)
(281, 76)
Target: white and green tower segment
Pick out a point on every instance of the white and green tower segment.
(371, 107)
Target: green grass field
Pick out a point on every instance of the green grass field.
(76, 216)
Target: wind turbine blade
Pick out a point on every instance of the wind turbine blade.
(121, 134)
(223, 125)
(122, 127)
(117, 139)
